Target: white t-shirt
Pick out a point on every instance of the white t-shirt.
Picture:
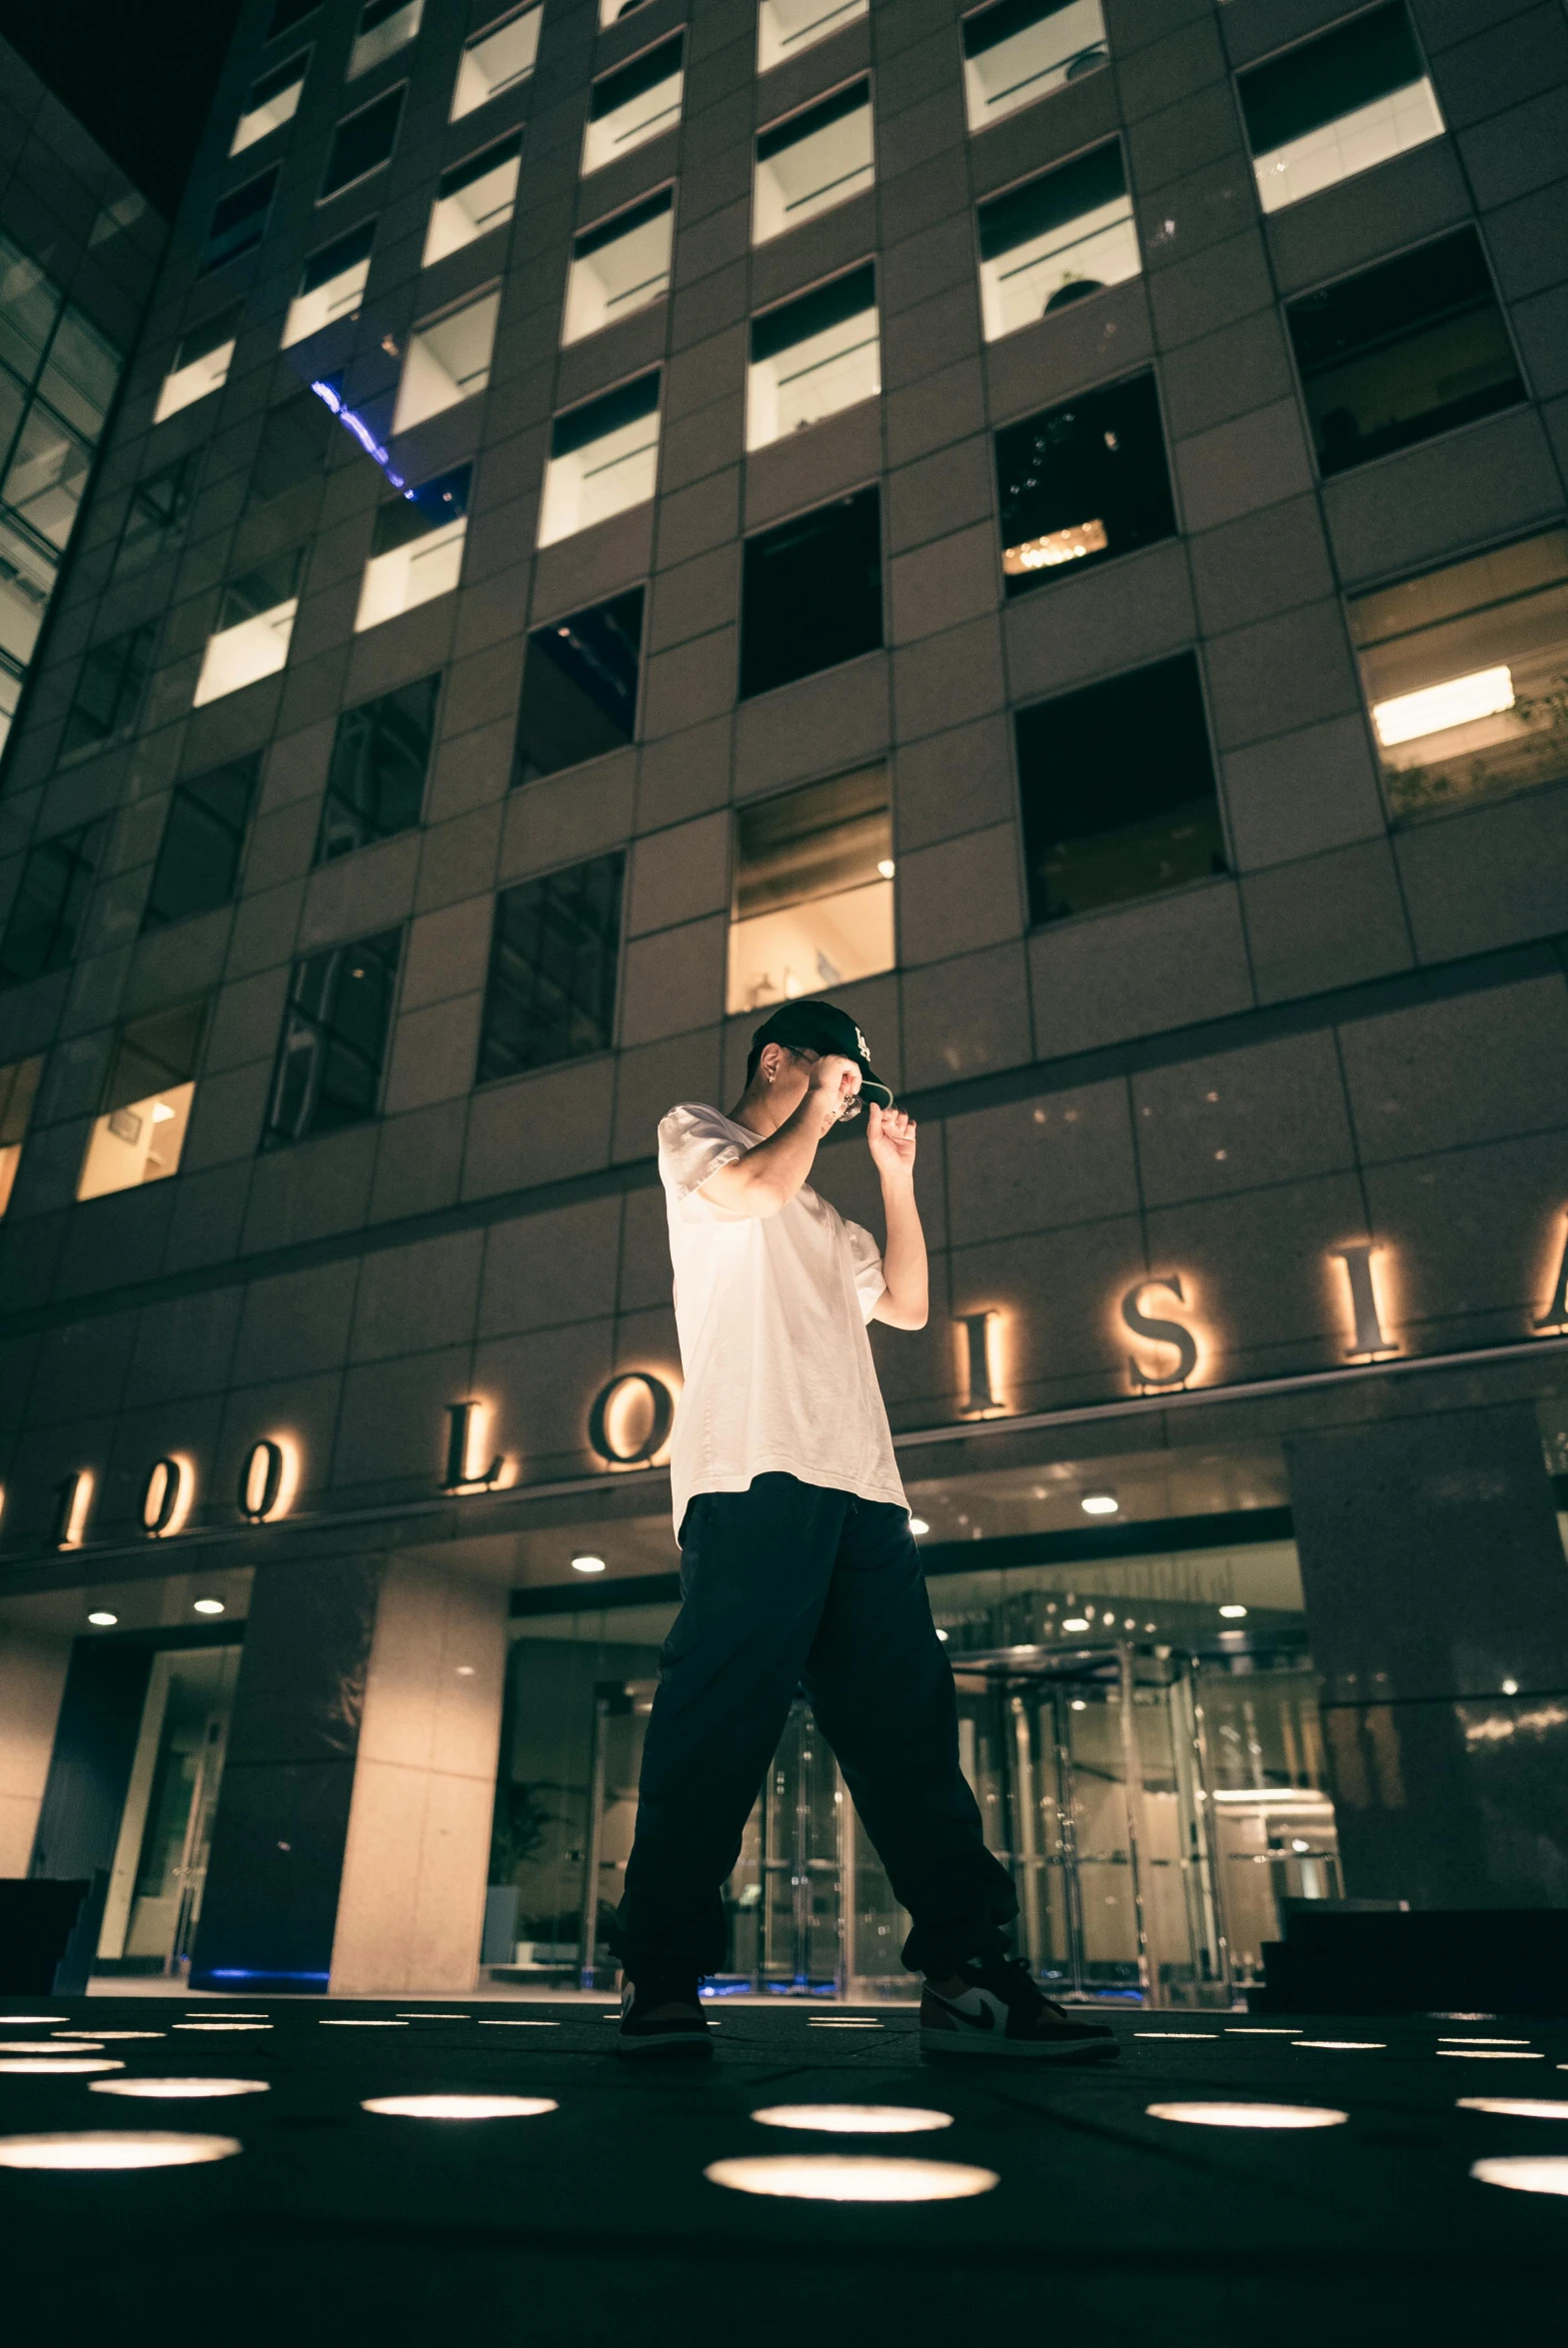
(771, 1314)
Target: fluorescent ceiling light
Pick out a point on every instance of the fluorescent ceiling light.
(1232, 1613)
(207, 1605)
(1100, 1505)
(1058, 545)
(1437, 707)
(587, 1564)
(102, 1619)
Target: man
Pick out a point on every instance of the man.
(797, 1566)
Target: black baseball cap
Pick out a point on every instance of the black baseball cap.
(823, 1026)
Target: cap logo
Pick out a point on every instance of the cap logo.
(865, 1050)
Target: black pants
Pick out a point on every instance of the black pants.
(787, 1585)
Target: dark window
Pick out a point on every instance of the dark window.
(1083, 483)
(363, 142)
(222, 327)
(18, 1090)
(551, 993)
(812, 592)
(108, 690)
(416, 512)
(157, 518)
(153, 1053)
(630, 81)
(478, 166)
(239, 222)
(334, 1040)
(288, 13)
(345, 252)
(579, 687)
(1322, 80)
(271, 583)
(380, 759)
(286, 76)
(1402, 350)
(1117, 788)
(203, 841)
(293, 447)
(46, 911)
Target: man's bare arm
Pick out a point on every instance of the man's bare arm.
(768, 1177)
(904, 1302)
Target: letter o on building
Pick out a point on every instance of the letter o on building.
(261, 1480)
(162, 1496)
(602, 1417)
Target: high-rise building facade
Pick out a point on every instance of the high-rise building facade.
(1044, 522)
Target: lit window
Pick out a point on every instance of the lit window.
(812, 592)
(555, 949)
(293, 447)
(201, 362)
(1021, 50)
(334, 1043)
(255, 624)
(1336, 105)
(363, 142)
(417, 549)
(385, 26)
(1402, 350)
(812, 160)
(786, 27)
(1464, 672)
(203, 840)
(618, 266)
(27, 579)
(270, 102)
(813, 356)
(632, 105)
(447, 360)
(158, 516)
(579, 687)
(1117, 788)
(1047, 244)
(472, 198)
(239, 222)
(18, 1090)
(109, 687)
(1083, 483)
(46, 913)
(813, 890)
(380, 760)
(497, 59)
(147, 1103)
(604, 459)
(332, 283)
(80, 374)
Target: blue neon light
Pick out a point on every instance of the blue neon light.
(372, 448)
(245, 1973)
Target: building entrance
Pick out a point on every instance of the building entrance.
(160, 1863)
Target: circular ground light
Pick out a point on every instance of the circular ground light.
(1175, 2033)
(13, 2021)
(448, 2017)
(1516, 2107)
(42, 2047)
(523, 2025)
(176, 2090)
(853, 2119)
(1524, 2172)
(1488, 2054)
(1249, 2115)
(223, 2025)
(45, 2065)
(839, 2176)
(1348, 2046)
(358, 2022)
(102, 2037)
(1249, 2030)
(104, 2148)
(460, 2107)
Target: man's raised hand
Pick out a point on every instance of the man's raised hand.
(889, 1136)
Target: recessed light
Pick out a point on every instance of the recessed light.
(1076, 1623)
(837, 2177)
(1348, 2046)
(1490, 2054)
(917, 1525)
(1100, 1505)
(1249, 2115)
(1524, 2172)
(178, 2090)
(61, 2062)
(1510, 1687)
(460, 2107)
(1513, 2107)
(1232, 1613)
(75, 2042)
(102, 1619)
(587, 1564)
(207, 1605)
(852, 2119)
(103, 2149)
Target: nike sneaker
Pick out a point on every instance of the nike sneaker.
(999, 2011)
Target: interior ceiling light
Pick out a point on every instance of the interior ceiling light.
(207, 1605)
(1456, 701)
(853, 2119)
(1249, 2115)
(887, 867)
(177, 2090)
(460, 2107)
(1056, 546)
(837, 2176)
(1524, 2172)
(59, 2062)
(102, 1619)
(1232, 1613)
(587, 1565)
(103, 2149)
(1508, 2107)
(1076, 1623)
(1100, 1504)
(917, 1525)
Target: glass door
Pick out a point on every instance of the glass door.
(160, 1864)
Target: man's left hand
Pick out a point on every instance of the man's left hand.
(889, 1136)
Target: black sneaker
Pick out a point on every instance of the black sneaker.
(662, 2017)
(1000, 2011)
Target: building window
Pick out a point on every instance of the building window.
(497, 59)
(620, 266)
(636, 103)
(293, 447)
(109, 688)
(385, 27)
(811, 161)
(1336, 105)
(813, 356)
(447, 360)
(380, 760)
(201, 362)
(334, 1043)
(1048, 243)
(1404, 351)
(363, 142)
(255, 623)
(45, 920)
(786, 27)
(1021, 50)
(158, 516)
(417, 547)
(1466, 672)
(554, 953)
(239, 222)
(813, 890)
(617, 11)
(332, 283)
(579, 687)
(18, 1090)
(270, 102)
(604, 459)
(472, 198)
(46, 475)
(1083, 483)
(812, 592)
(1117, 788)
(286, 14)
(203, 841)
(147, 1103)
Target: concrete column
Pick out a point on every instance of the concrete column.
(411, 1909)
(1437, 1607)
(33, 1666)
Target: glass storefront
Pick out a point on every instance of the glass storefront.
(160, 1863)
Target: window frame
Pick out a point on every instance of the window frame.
(766, 130)
(620, 854)
(397, 90)
(1306, 40)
